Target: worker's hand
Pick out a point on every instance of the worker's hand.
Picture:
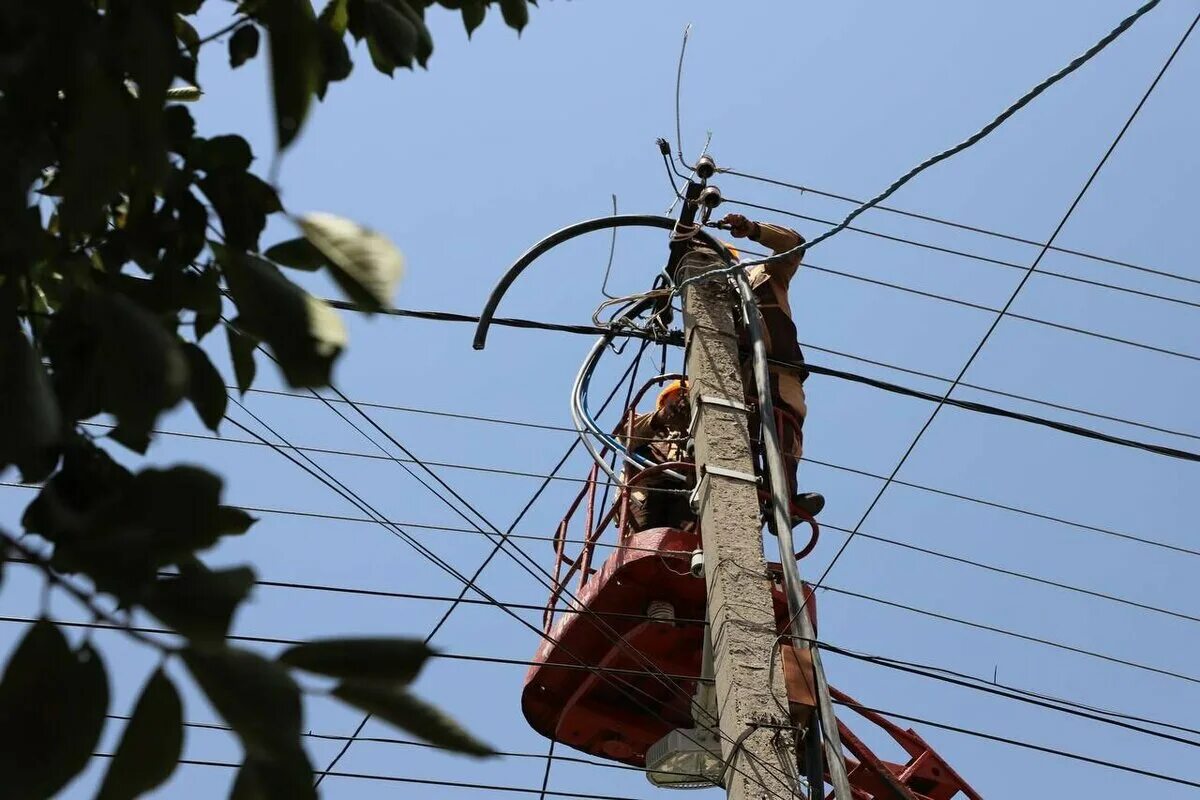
(737, 224)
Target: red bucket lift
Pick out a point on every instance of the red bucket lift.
(639, 620)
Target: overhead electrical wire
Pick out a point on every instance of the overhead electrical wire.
(670, 682)
(951, 677)
(1016, 291)
(934, 673)
(364, 776)
(974, 138)
(325, 477)
(889, 386)
(470, 582)
(961, 253)
(1026, 745)
(953, 224)
(1015, 634)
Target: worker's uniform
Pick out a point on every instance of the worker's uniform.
(770, 283)
(655, 438)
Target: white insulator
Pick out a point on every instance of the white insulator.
(661, 611)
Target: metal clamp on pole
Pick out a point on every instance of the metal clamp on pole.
(713, 400)
(700, 493)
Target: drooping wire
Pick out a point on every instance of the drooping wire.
(612, 250)
(886, 385)
(953, 224)
(653, 669)
(325, 477)
(974, 138)
(1016, 291)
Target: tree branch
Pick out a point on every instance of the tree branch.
(30, 556)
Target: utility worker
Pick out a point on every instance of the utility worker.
(659, 436)
(770, 283)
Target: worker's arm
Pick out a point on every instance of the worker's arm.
(645, 429)
(776, 237)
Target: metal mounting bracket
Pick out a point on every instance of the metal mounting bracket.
(698, 496)
(713, 400)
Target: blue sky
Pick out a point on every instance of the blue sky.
(505, 139)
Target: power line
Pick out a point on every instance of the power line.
(359, 591)
(1014, 634)
(1086, 527)
(1032, 268)
(947, 676)
(344, 491)
(195, 762)
(667, 681)
(392, 740)
(552, 477)
(1023, 317)
(933, 397)
(950, 223)
(1025, 745)
(1024, 100)
(960, 253)
(1025, 576)
(974, 138)
(279, 640)
(498, 543)
(1068, 707)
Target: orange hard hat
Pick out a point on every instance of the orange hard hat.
(670, 390)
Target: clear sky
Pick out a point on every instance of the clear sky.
(505, 139)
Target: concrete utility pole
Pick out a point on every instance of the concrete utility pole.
(741, 616)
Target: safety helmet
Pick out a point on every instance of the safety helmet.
(670, 390)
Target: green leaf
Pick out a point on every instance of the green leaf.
(30, 422)
(401, 709)
(256, 696)
(52, 706)
(206, 387)
(287, 777)
(233, 521)
(424, 46)
(335, 60)
(243, 45)
(364, 263)
(295, 63)
(304, 333)
(200, 603)
(516, 13)
(221, 153)
(473, 13)
(157, 518)
(88, 480)
(243, 201)
(207, 302)
(241, 352)
(110, 354)
(297, 253)
(357, 21)
(187, 35)
(96, 144)
(385, 660)
(180, 129)
(380, 56)
(336, 16)
(392, 33)
(151, 745)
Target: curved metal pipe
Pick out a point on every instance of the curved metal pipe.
(565, 235)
